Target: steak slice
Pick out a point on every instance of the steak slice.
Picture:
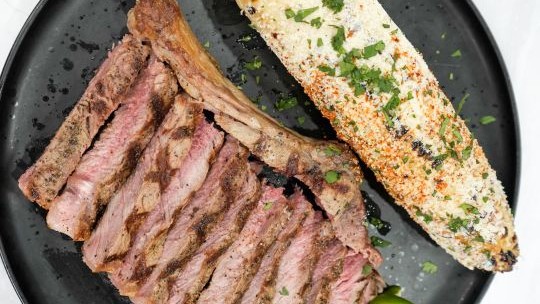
(354, 285)
(173, 42)
(327, 271)
(240, 262)
(148, 243)
(261, 289)
(108, 164)
(183, 284)
(220, 190)
(115, 232)
(295, 269)
(42, 182)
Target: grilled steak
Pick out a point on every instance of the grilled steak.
(240, 262)
(327, 270)
(173, 41)
(129, 207)
(355, 284)
(221, 188)
(42, 182)
(261, 289)
(188, 178)
(297, 263)
(105, 168)
(184, 284)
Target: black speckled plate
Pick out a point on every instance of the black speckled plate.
(64, 41)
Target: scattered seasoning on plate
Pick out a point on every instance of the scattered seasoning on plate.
(456, 54)
(486, 120)
(429, 267)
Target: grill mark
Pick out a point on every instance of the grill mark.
(99, 107)
(100, 88)
(158, 109)
(182, 132)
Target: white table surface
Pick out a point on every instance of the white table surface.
(516, 27)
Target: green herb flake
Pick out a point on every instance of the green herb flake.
(468, 208)
(466, 153)
(316, 23)
(301, 120)
(289, 13)
(263, 107)
(332, 150)
(457, 135)
(338, 40)
(456, 54)
(246, 38)
(303, 13)
(257, 79)
(455, 223)
(378, 242)
(479, 238)
(429, 267)
(328, 70)
(386, 25)
(331, 176)
(345, 68)
(405, 159)
(486, 120)
(447, 198)
(485, 199)
(283, 291)
(335, 5)
(267, 205)
(410, 95)
(485, 175)
(451, 76)
(461, 104)
(286, 103)
(206, 44)
(373, 50)
(444, 124)
(320, 42)
(366, 270)
(443, 36)
(253, 65)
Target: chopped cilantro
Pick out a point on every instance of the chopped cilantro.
(301, 120)
(374, 49)
(427, 218)
(386, 25)
(300, 15)
(245, 38)
(328, 70)
(455, 223)
(206, 44)
(331, 176)
(443, 36)
(451, 76)
(378, 242)
(485, 175)
(486, 120)
(444, 124)
(332, 150)
(405, 159)
(466, 153)
(335, 5)
(389, 107)
(468, 208)
(319, 42)
(346, 68)
(458, 136)
(283, 291)
(410, 95)
(316, 23)
(338, 40)
(253, 65)
(461, 103)
(456, 53)
(429, 267)
(286, 103)
(485, 199)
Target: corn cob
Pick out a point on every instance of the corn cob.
(382, 99)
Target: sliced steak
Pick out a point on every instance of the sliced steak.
(222, 187)
(174, 42)
(355, 284)
(114, 156)
(327, 271)
(188, 178)
(42, 182)
(297, 263)
(240, 262)
(183, 284)
(129, 207)
(262, 287)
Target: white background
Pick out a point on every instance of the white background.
(516, 27)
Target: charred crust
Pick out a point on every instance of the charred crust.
(100, 107)
(171, 268)
(182, 132)
(100, 89)
(508, 257)
(158, 109)
(292, 164)
(251, 10)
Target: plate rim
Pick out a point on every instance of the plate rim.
(22, 35)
